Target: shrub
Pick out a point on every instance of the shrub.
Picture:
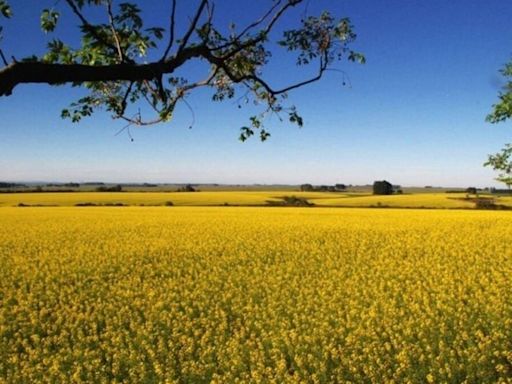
(114, 188)
(485, 204)
(186, 188)
(291, 201)
(306, 188)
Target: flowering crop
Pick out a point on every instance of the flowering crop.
(263, 295)
(245, 198)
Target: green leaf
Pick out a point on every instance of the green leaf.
(295, 118)
(5, 9)
(245, 133)
(356, 57)
(264, 135)
(157, 32)
(49, 20)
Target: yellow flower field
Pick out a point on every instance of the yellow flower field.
(244, 198)
(254, 295)
(205, 198)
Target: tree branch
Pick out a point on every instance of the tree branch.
(221, 62)
(172, 27)
(114, 32)
(6, 63)
(88, 26)
(113, 77)
(37, 72)
(258, 22)
(192, 26)
(263, 33)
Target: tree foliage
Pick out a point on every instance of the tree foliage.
(502, 110)
(115, 61)
(502, 162)
(382, 188)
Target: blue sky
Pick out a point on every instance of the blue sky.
(413, 114)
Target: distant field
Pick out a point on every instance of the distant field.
(153, 198)
(254, 295)
(244, 198)
(417, 200)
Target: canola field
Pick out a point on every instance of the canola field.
(245, 198)
(254, 295)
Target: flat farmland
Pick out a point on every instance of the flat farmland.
(248, 198)
(254, 294)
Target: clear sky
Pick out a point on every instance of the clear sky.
(414, 114)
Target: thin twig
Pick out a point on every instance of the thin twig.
(172, 26)
(88, 25)
(262, 35)
(122, 129)
(192, 112)
(127, 93)
(192, 26)
(257, 22)
(114, 32)
(3, 58)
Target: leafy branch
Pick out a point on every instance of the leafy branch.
(111, 62)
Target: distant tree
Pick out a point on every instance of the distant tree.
(382, 188)
(114, 188)
(117, 62)
(306, 188)
(186, 188)
(471, 191)
(340, 187)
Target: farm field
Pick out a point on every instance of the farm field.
(245, 198)
(149, 198)
(252, 294)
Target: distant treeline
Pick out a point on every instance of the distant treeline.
(66, 185)
(135, 185)
(474, 191)
(4, 184)
(38, 190)
(114, 188)
(501, 191)
(322, 188)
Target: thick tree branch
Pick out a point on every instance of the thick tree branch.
(37, 72)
